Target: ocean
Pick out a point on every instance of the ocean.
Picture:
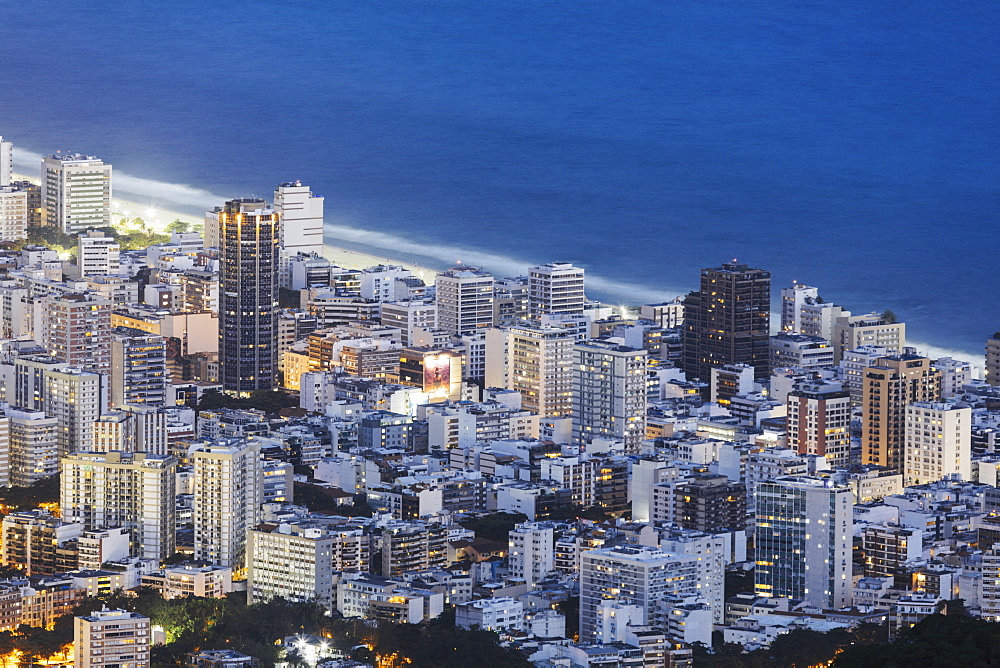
(849, 145)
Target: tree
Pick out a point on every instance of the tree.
(495, 526)
(889, 317)
(178, 226)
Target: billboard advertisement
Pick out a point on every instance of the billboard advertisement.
(437, 374)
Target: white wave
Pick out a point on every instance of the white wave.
(501, 265)
(977, 360)
(177, 194)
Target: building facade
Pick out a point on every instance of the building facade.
(76, 192)
(728, 320)
(248, 296)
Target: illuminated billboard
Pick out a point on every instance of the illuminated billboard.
(437, 374)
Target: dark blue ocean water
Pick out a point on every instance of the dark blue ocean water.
(851, 145)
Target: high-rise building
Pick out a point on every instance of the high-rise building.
(301, 214)
(710, 503)
(76, 192)
(77, 330)
(228, 492)
(793, 299)
(871, 329)
(32, 541)
(104, 490)
(464, 297)
(804, 541)
(248, 296)
(317, 552)
(532, 551)
(819, 422)
(76, 399)
(413, 546)
(98, 254)
(990, 598)
(5, 451)
(6, 162)
(34, 447)
(537, 362)
(138, 368)
(13, 213)
(111, 639)
(132, 429)
(728, 320)
(993, 359)
(556, 288)
(853, 364)
(639, 576)
(609, 393)
(890, 385)
(938, 442)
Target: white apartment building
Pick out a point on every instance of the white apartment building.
(804, 541)
(77, 399)
(954, 375)
(270, 550)
(640, 576)
(712, 554)
(535, 361)
(33, 450)
(136, 491)
(556, 288)
(380, 282)
(76, 192)
(301, 215)
(132, 429)
(408, 315)
(871, 329)
(98, 546)
(498, 614)
(13, 212)
(792, 301)
(532, 551)
(800, 350)
(228, 492)
(609, 393)
(938, 442)
(990, 596)
(98, 254)
(112, 639)
(464, 297)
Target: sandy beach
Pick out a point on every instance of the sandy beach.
(158, 217)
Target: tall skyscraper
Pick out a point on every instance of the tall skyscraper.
(76, 398)
(640, 576)
(248, 296)
(301, 214)
(804, 540)
(819, 422)
(556, 288)
(890, 385)
(228, 492)
(464, 297)
(103, 490)
(609, 393)
(728, 320)
(76, 192)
